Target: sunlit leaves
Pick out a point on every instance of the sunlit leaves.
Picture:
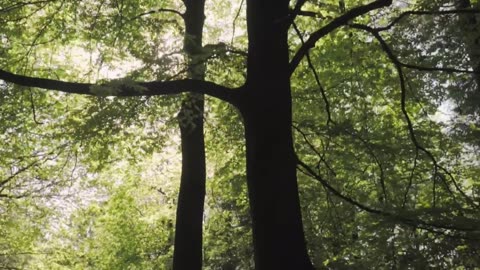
(351, 127)
(355, 135)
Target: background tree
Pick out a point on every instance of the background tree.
(189, 221)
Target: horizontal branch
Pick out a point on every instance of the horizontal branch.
(376, 33)
(128, 89)
(160, 10)
(311, 14)
(439, 69)
(427, 12)
(337, 22)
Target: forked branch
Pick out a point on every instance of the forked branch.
(337, 22)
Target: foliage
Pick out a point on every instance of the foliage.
(228, 225)
(129, 224)
(386, 122)
(20, 227)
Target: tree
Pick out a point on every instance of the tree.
(189, 221)
(265, 103)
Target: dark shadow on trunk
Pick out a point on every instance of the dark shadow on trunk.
(189, 219)
(271, 162)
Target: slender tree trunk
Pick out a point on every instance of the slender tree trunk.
(271, 163)
(189, 220)
(470, 26)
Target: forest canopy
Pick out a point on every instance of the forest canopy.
(257, 134)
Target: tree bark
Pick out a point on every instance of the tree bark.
(271, 162)
(470, 26)
(188, 249)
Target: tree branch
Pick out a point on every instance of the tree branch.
(160, 10)
(439, 69)
(153, 88)
(398, 66)
(317, 78)
(427, 12)
(405, 219)
(310, 14)
(234, 23)
(296, 10)
(22, 4)
(337, 22)
(396, 61)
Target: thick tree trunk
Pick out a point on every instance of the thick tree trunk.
(188, 249)
(271, 172)
(271, 163)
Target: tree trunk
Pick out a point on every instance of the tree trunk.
(188, 249)
(271, 163)
(471, 36)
